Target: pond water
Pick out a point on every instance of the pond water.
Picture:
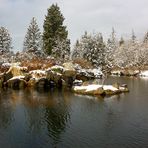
(61, 119)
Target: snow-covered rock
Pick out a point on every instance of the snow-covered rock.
(97, 73)
(16, 82)
(99, 89)
(7, 65)
(116, 72)
(89, 90)
(77, 82)
(17, 77)
(144, 73)
(36, 74)
(87, 74)
(57, 68)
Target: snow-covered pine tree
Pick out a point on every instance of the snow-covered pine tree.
(91, 48)
(5, 40)
(97, 51)
(133, 51)
(54, 29)
(86, 45)
(111, 49)
(145, 40)
(133, 37)
(33, 38)
(82, 46)
(121, 42)
(62, 50)
(76, 53)
(144, 49)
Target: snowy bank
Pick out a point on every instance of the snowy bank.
(99, 89)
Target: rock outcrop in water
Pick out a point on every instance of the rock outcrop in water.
(55, 76)
(68, 75)
(94, 89)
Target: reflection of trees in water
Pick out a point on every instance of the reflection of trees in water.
(47, 109)
(33, 111)
(34, 119)
(57, 116)
(6, 110)
(113, 114)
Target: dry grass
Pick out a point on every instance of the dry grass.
(37, 63)
(3, 69)
(83, 63)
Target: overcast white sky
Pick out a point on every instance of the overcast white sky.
(80, 15)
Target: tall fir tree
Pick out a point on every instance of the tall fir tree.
(76, 53)
(5, 40)
(91, 48)
(62, 50)
(145, 40)
(121, 42)
(33, 38)
(133, 37)
(111, 49)
(54, 30)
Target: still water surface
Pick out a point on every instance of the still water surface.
(56, 119)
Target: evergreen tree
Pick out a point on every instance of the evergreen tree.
(121, 42)
(133, 37)
(111, 49)
(145, 40)
(33, 39)
(113, 36)
(62, 50)
(54, 30)
(91, 48)
(5, 40)
(76, 50)
(96, 51)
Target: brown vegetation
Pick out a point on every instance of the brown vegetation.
(37, 63)
(83, 63)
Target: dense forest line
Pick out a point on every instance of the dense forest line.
(91, 50)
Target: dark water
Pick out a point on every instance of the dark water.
(56, 119)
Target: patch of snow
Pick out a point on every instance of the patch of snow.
(109, 87)
(88, 87)
(17, 77)
(94, 87)
(144, 73)
(122, 88)
(38, 73)
(97, 72)
(57, 67)
(78, 81)
(6, 65)
(116, 72)
(94, 73)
